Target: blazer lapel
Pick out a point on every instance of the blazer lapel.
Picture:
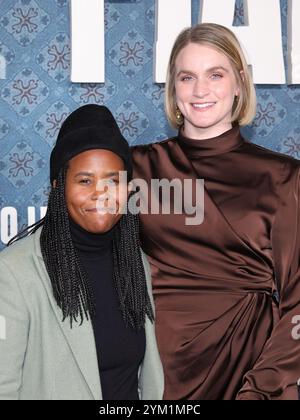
(151, 377)
(80, 337)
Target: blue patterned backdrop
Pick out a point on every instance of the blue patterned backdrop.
(37, 94)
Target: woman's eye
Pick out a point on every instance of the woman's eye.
(112, 181)
(85, 181)
(186, 78)
(216, 76)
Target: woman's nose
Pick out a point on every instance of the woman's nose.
(99, 193)
(201, 88)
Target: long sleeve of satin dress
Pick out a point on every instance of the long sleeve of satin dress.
(220, 334)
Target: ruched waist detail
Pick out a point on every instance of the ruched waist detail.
(188, 291)
(196, 300)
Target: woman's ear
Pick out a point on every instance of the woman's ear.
(237, 92)
(54, 183)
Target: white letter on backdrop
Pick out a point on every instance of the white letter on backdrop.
(262, 39)
(171, 18)
(31, 214)
(8, 223)
(43, 211)
(87, 34)
(294, 42)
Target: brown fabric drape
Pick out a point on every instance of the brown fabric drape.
(219, 333)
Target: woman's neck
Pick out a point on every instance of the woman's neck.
(91, 245)
(198, 133)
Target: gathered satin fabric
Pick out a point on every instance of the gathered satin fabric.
(219, 333)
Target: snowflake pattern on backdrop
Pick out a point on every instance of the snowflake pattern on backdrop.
(55, 57)
(24, 21)
(21, 164)
(50, 122)
(25, 92)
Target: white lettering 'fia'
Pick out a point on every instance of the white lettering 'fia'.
(261, 37)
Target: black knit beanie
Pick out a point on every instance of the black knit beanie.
(88, 127)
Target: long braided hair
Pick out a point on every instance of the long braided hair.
(70, 284)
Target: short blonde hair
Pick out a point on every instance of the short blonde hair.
(224, 41)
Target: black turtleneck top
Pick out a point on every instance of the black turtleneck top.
(120, 350)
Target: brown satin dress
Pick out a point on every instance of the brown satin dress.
(219, 333)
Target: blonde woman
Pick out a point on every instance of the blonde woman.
(227, 290)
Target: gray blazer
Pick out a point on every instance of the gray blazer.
(41, 357)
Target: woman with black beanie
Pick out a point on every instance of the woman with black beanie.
(75, 302)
